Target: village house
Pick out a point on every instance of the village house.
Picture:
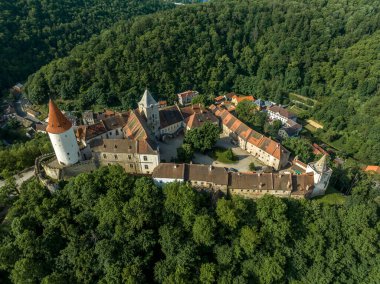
(237, 99)
(372, 169)
(279, 113)
(185, 98)
(251, 185)
(266, 150)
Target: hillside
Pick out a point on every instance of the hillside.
(109, 227)
(32, 33)
(267, 49)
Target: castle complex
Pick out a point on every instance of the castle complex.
(131, 140)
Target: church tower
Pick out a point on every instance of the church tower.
(322, 175)
(149, 107)
(62, 136)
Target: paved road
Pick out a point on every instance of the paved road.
(20, 178)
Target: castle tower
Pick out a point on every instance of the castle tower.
(322, 174)
(149, 107)
(62, 136)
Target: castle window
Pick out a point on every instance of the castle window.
(68, 154)
(129, 157)
(146, 167)
(145, 158)
(104, 156)
(115, 157)
(131, 166)
(117, 131)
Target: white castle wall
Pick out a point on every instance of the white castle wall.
(65, 147)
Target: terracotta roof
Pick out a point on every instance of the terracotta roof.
(220, 98)
(375, 169)
(170, 116)
(136, 127)
(198, 119)
(243, 98)
(169, 170)
(58, 123)
(318, 150)
(122, 146)
(87, 132)
(245, 132)
(282, 111)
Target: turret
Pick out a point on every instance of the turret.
(62, 136)
(322, 174)
(149, 107)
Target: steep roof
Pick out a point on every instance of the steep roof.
(147, 99)
(58, 123)
(268, 145)
(170, 116)
(136, 127)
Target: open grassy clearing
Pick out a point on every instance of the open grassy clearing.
(223, 155)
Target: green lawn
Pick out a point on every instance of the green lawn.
(331, 197)
(223, 155)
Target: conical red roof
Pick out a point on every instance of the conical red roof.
(58, 123)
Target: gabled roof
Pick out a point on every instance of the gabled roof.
(136, 127)
(170, 116)
(147, 99)
(282, 111)
(268, 145)
(58, 123)
(169, 170)
(187, 94)
(375, 169)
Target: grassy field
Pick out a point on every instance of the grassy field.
(331, 197)
(223, 155)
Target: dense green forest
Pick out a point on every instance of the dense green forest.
(328, 50)
(22, 155)
(109, 227)
(33, 32)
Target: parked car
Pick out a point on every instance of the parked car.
(232, 170)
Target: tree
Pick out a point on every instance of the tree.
(300, 147)
(202, 138)
(247, 112)
(272, 128)
(252, 166)
(185, 153)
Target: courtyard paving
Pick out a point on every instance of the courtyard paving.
(168, 152)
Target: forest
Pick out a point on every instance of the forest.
(326, 50)
(109, 227)
(33, 32)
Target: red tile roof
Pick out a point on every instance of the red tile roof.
(375, 169)
(58, 123)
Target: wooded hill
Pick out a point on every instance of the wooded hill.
(327, 50)
(33, 32)
(109, 227)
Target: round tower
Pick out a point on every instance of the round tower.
(62, 136)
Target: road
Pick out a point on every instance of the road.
(21, 177)
(19, 107)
